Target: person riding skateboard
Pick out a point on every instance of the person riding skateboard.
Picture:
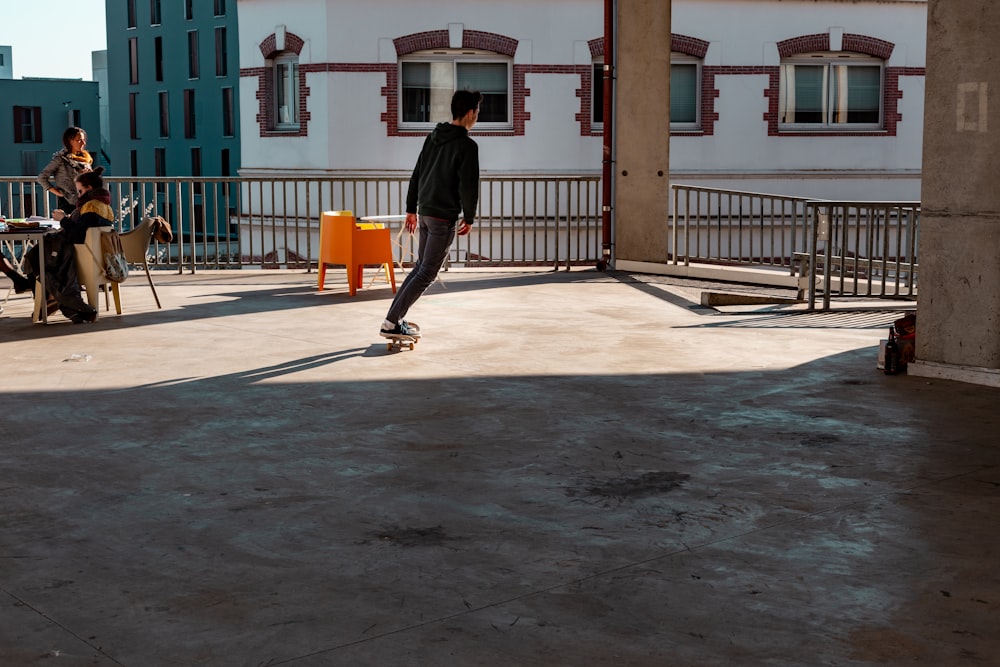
(444, 191)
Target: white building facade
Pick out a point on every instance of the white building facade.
(812, 98)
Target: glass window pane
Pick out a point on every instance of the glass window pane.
(416, 92)
(856, 94)
(684, 93)
(597, 95)
(802, 93)
(286, 92)
(492, 81)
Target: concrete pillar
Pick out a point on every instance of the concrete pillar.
(958, 311)
(642, 130)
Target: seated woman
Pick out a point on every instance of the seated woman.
(93, 210)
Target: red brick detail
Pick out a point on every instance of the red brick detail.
(685, 44)
(867, 45)
(804, 44)
(421, 41)
(269, 47)
(265, 98)
(489, 41)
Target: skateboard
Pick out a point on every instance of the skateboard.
(399, 342)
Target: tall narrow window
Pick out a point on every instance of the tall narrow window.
(286, 91)
(224, 158)
(189, 115)
(133, 115)
(220, 7)
(830, 91)
(155, 18)
(228, 113)
(597, 95)
(133, 60)
(188, 10)
(133, 162)
(164, 114)
(196, 167)
(27, 125)
(158, 57)
(130, 12)
(685, 76)
(221, 60)
(193, 54)
(160, 167)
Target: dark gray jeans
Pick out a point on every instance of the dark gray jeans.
(436, 236)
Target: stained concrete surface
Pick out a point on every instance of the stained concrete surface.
(570, 469)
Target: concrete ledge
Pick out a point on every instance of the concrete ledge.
(989, 377)
(713, 299)
(776, 277)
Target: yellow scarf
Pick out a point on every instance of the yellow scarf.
(82, 156)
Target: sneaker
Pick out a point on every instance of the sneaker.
(414, 328)
(401, 329)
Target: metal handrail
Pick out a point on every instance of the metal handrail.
(273, 221)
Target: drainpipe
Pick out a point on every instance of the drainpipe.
(608, 162)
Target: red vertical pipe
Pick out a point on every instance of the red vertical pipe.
(607, 164)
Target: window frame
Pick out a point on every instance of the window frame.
(827, 60)
(194, 67)
(676, 58)
(155, 13)
(190, 113)
(280, 61)
(221, 53)
(163, 109)
(228, 112)
(28, 128)
(455, 57)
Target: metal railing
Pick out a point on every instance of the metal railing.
(838, 248)
(274, 222)
(862, 249)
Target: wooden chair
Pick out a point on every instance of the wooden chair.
(343, 241)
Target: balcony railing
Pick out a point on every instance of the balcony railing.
(274, 222)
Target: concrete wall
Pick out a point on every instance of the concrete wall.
(959, 308)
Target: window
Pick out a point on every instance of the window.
(196, 168)
(220, 7)
(685, 80)
(188, 10)
(225, 162)
(160, 167)
(133, 115)
(597, 96)
(158, 57)
(429, 81)
(831, 91)
(130, 11)
(75, 118)
(189, 118)
(154, 13)
(164, 114)
(133, 162)
(286, 91)
(133, 60)
(685, 93)
(228, 119)
(27, 125)
(193, 54)
(221, 61)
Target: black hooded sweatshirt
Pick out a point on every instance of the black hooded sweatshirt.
(445, 182)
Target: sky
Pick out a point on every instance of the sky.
(43, 46)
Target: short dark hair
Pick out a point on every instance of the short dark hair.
(464, 101)
(92, 179)
(70, 133)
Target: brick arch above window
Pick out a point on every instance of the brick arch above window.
(471, 39)
(870, 46)
(269, 47)
(691, 46)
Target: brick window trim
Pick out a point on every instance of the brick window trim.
(871, 46)
(689, 46)
(471, 39)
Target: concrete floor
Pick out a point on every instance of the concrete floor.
(570, 469)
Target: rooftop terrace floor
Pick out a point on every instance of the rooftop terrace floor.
(571, 468)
